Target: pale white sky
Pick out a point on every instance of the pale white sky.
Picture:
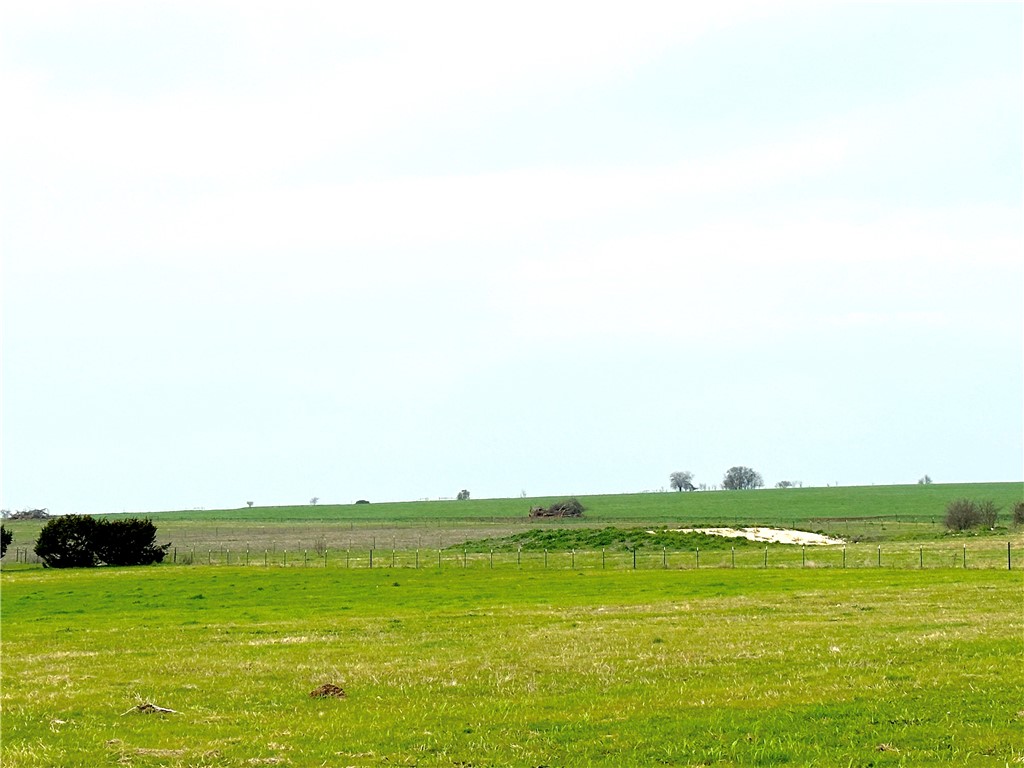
(265, 252)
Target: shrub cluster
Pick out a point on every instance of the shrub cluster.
(1018, 513)
(6, 537)
(963, 514)
(81, 541)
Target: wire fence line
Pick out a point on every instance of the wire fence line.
(987, 555)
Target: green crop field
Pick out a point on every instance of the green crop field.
(482, 638)
(509, 668)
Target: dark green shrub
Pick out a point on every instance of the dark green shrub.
(81, 541)
(128, 542)
(6, 537)
(68, 542)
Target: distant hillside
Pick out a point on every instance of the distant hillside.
(906, 503)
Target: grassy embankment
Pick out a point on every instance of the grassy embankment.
(503, 668)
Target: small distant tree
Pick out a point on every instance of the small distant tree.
(249, 503)
(682, 481)
(68, 542)
(741, 479)
(1018, 513)
(925, 481)
(463, 495)
(784, 484)
(6, 537)
(314, 500)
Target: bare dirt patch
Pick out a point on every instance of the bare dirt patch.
(768, 535)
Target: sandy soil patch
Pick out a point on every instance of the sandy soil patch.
(768, 535)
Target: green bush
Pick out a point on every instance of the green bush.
(128, 542)
(81, 541)
(68, 542)
(6, 537)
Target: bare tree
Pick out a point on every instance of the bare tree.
(682, 481)
(741, 479)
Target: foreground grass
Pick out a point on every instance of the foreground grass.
(617, 668)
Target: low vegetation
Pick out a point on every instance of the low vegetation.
(207, 667)
(964, 514)
(609, 538)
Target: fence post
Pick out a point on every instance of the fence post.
(922, 558)
(844, 555)
(519, 558)
(1009, 564)
(803, 556)
(573, 565)
(664, 557)
(734, 557)
(175, 555)
(417, 559)
(392, 558)
(305, 557)
(879, 555)
(492, 559)
(965, 556)
(371, 557)
(266, 553)
(698, 557)
(463, 557)
(545, 558)
(602, 558)
(766, 557)
(209, 556)
(634, 558)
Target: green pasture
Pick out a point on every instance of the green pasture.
(507, 667)
(915, 503)
(865, 514)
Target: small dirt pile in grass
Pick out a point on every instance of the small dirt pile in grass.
(327, 691)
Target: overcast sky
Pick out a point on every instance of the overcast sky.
(270, 251)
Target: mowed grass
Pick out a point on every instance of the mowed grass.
(870, 667)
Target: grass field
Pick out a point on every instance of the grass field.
(482, 638)
(505, 668)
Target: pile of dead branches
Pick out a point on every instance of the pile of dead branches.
(567, 508)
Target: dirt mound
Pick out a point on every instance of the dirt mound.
(327, 691)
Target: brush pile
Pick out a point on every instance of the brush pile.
(567, 508)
